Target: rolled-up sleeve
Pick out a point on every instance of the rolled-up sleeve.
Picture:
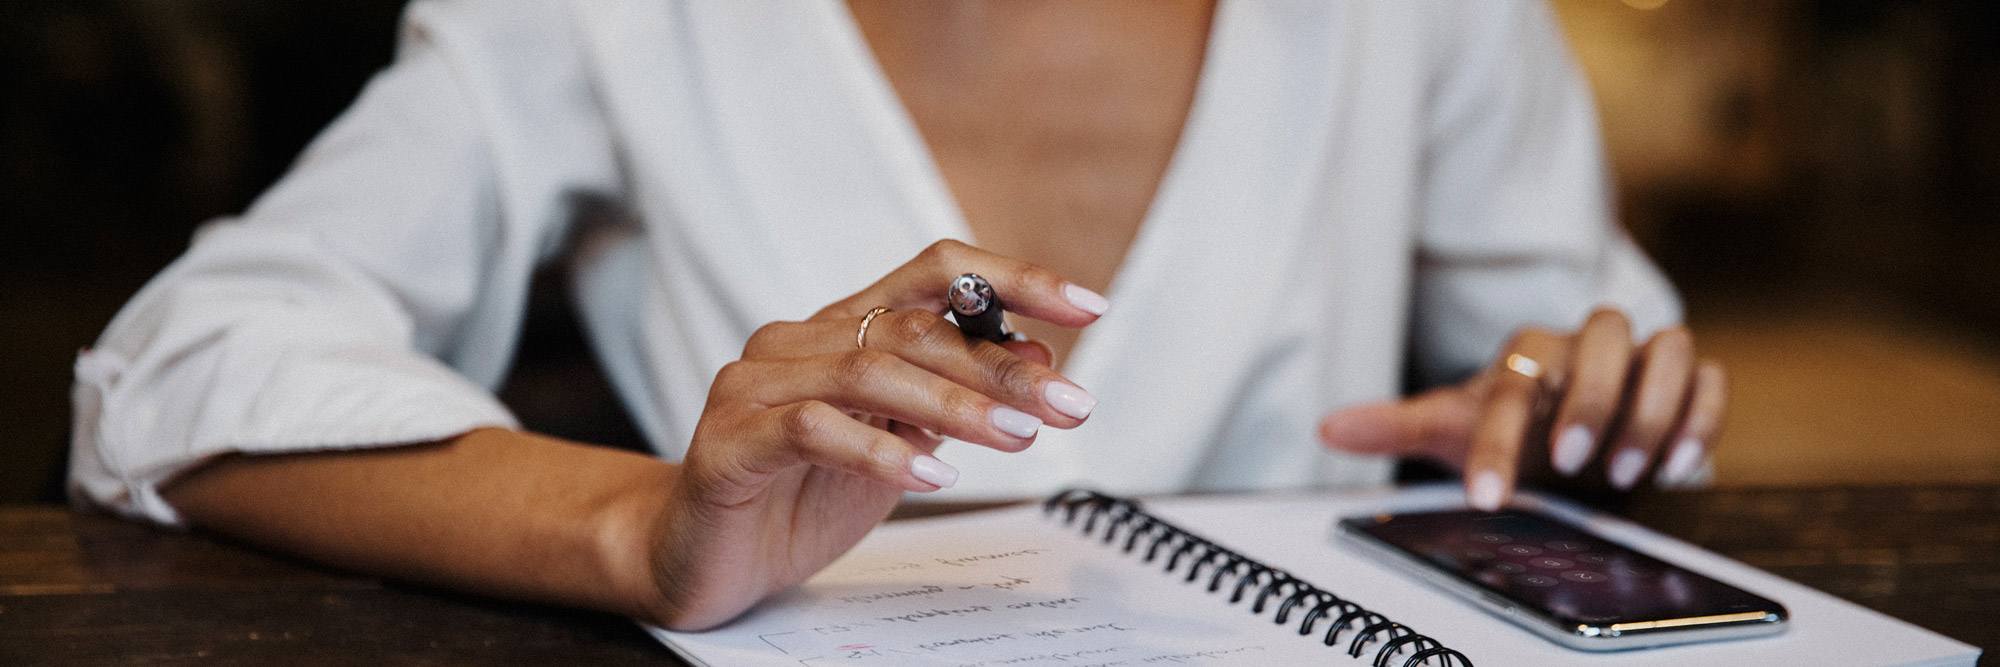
(1517, 227)
(372, 297)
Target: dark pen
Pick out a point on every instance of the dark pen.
(976, 308)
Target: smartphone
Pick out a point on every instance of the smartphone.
(1575, 588)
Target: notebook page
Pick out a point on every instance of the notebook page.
(1001, 588)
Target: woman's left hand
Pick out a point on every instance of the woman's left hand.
(1638, 408)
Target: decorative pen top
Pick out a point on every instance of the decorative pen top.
(977, 308)
(970, 295)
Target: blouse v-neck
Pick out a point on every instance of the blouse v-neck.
(930, 197)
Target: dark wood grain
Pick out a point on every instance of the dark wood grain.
(1929, 555)
(83, 589)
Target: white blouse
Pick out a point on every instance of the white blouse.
(1361, 188)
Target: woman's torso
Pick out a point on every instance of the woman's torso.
(1254, 229)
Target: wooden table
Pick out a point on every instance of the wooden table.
(82, 589)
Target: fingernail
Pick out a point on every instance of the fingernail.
(1485, 491)
(1069, 399)
(1681, 463)
(1015, 422)
(1090, 302)
(929, 469)
(1625, 468)
(933, 435)
(1573, 449)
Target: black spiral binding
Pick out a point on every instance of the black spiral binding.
(1292, 593)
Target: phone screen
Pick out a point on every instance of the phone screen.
(1560, 571)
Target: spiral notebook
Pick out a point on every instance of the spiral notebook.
(1042, 586)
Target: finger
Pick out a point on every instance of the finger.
(1698, 431)
(925, 440)
(774, 440)
(1435, 424)
(1599, 359)
(1658, 395)
(930, 342)
(877, 383)
(819, 434)
(1032, 350)
(787, 340)
(1022, 287)
(1493, 461)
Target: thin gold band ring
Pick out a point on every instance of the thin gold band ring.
(861, 336)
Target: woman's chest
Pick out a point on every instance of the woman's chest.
(778, 164)
(1052, 124)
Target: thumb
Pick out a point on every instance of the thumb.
(1437, 423)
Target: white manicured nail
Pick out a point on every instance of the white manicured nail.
(1069, 399)
(1484, 493)
(929, 469)
(1015, 422)
(1681, 463)
(1088, 301)
(1573, 449)
(1625, 468)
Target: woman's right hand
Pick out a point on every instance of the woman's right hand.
(808, 441)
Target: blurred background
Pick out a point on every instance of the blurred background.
(1817, 175)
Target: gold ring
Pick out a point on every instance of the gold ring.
(1526, 367)
(861, 337)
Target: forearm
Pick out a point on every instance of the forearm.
(493, 511)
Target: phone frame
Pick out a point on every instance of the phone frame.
(1580, 636)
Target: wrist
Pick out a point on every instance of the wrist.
(631, 528)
